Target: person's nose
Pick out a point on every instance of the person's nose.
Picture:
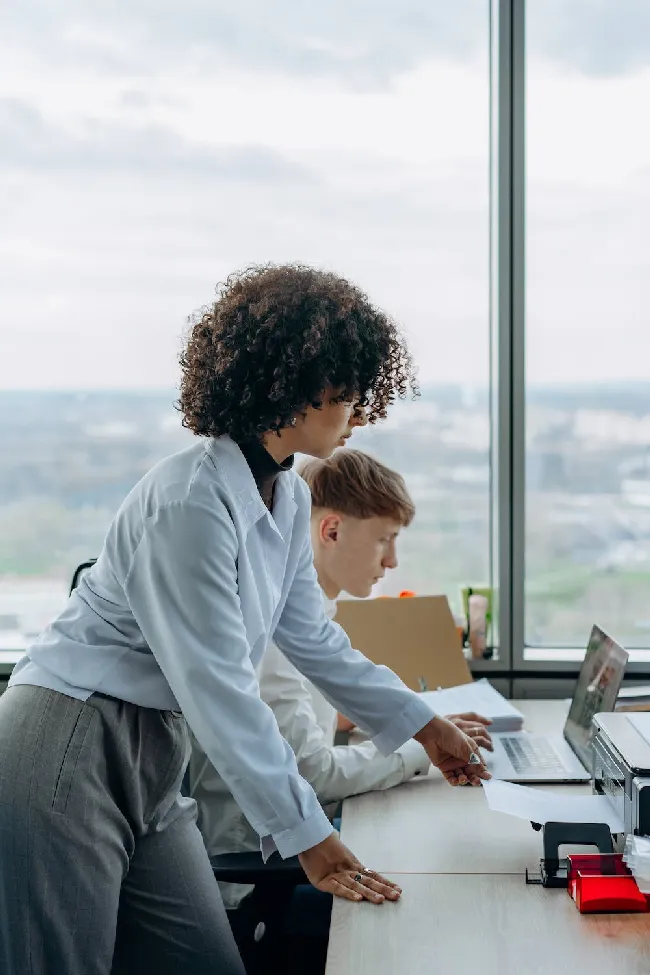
(390, 559)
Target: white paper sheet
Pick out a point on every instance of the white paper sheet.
(539, 806)
(478, 696)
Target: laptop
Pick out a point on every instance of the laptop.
(524, 757)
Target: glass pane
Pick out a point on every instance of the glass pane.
(146, 158)
(588, 341)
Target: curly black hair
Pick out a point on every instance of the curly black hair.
(274, 340)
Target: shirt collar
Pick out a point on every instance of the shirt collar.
(241, 482)
(264, 468)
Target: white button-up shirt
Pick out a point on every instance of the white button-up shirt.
(194, 577)
(307, 722)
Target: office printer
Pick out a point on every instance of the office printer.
(621, 766)
(621, 772)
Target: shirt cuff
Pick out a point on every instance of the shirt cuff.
(290, 842)
(411, 720)
(415, 760)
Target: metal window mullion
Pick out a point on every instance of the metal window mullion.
(518, 332)
(507, 314)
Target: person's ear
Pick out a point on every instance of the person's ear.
(329, 529)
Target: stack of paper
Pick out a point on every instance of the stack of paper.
(481, 697)
(633, 698)
(637, 857)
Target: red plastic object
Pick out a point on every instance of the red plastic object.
(596, 865)
(602, 883)
(608, 895)
(406, 594)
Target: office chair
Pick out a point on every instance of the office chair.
(259, 924)
(259, 928)
(79, 572)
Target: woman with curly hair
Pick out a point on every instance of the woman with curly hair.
(103, 867)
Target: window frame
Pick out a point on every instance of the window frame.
(508, 324)
(507, 38)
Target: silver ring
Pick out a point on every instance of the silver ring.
(358, 878)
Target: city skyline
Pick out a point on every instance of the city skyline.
(69, 459)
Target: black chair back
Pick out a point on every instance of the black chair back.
(79, 572)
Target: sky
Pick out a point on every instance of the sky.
(149, 149)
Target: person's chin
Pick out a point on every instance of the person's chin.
(322, 452)
(361, 591)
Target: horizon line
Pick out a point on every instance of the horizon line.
(432, 384)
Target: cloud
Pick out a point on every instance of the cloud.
(134, 98)
(30, 142)
(135, 173)
(600, 38)
(362, 45)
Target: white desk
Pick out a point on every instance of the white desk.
(416, 828)
(488, 925)
(465, 904)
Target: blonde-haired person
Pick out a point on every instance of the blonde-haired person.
(359, 507)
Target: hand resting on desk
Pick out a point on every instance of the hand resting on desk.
(331, 867)
(451, 750)
(450, 744)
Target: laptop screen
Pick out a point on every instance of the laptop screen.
(597, 689)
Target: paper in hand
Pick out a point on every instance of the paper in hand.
(540, 806)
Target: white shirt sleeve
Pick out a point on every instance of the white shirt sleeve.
(182, 590)
(373, 697)
(334, 772)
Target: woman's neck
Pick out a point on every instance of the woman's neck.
(278, 447)
(264, 468)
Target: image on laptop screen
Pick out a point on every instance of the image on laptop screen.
(597, 689)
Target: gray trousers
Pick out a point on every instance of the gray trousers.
(102, 867)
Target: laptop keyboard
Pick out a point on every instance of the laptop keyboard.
(536, 754)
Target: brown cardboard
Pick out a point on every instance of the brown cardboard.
(416, 637)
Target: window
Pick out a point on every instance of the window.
(145, 158)
(587, 335)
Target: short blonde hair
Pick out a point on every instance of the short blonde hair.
(353, 483)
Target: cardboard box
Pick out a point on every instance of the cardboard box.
(417, 638)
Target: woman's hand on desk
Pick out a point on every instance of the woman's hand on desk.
(474, 725)
(451, 750)
(331, 867)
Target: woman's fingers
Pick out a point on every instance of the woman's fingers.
(361, 888)
(482, 740)
(456, 765)
(344, 885)
(373, 875)
(360, 885)
(472, 726)
(386, 889)
(458, 774)
(468, 775)
(334, 886)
